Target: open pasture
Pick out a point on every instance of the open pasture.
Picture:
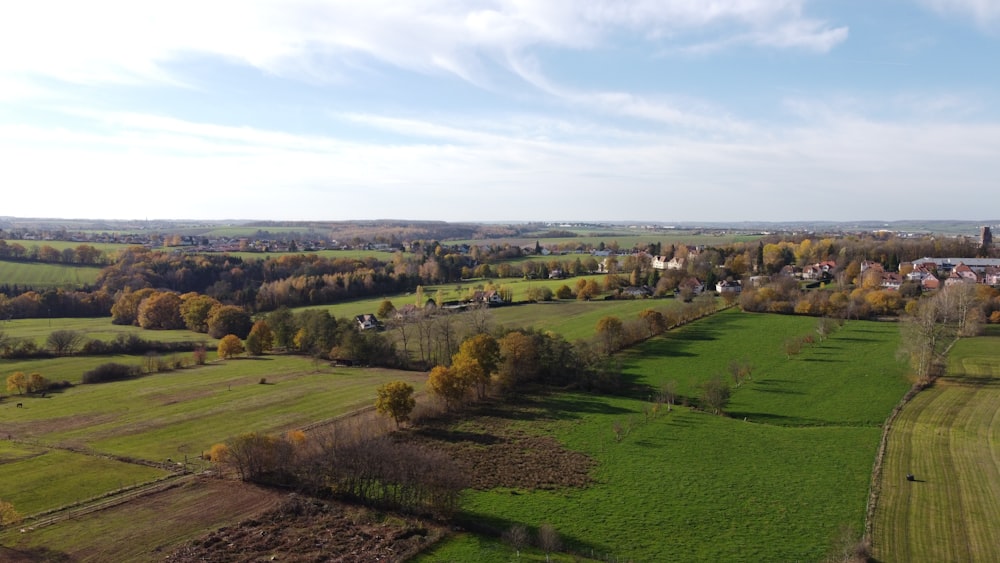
(183, 412)
(783, 485)
(40, 276)
(105, 247)
(572, 319)
(948, 437)
(95, 328)
(36, 478)
(519, 288)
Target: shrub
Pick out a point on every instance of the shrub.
(111, 372)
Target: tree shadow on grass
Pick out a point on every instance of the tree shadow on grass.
(779, 419)
(495, 527)
(455, 436)
(571, 406)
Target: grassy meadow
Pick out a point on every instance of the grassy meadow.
(184, 412)
(782, 485)
(62, 440)
(948, 437)
(37, 478)
(41, 276)
(99, 328)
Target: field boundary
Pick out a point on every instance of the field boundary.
(105, 501)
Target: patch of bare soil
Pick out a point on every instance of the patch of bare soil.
(303, 529)
(501, 455)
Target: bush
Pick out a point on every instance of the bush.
(111, 372)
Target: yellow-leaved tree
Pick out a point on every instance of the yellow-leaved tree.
(396, 400)
(230, 346)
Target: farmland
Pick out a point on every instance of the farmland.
(783, 484)
(99, 328)
(947, 437)
(45, 276)
(784, 476)
(67, 443)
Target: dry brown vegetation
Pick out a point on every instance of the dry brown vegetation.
(500, 455)
(303, 529)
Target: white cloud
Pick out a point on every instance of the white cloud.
(986, 13)
(836, 166)
(127, 41)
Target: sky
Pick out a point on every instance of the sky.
(664, 111)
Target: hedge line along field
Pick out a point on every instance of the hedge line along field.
(39, 276)
(783, 485)
(948, 437)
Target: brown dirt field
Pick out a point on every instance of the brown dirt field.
(147, 528)
(303, 529)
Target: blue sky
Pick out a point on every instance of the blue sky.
(501, 110)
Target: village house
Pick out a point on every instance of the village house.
(961, 274)
(693, 285)
(367, 321)
(637, 292)
(491, 297)
(726, 286)
(891, 280)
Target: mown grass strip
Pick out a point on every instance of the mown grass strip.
(948, 437)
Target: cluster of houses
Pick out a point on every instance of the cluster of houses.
(933, 272)
(930, 273)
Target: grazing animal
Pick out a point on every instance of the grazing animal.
(20, 405)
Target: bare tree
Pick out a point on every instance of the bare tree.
(926, 336)
(479, 318)
(64, 342)
(740, 370)
(715, 394)
(516, 537)
(548, 539)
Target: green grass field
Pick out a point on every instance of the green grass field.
(35, 478)
(779, 486)
(99, 328)
(185, 411)
(176, 415)
(948, 436)
(575, 319)
(40, 276)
